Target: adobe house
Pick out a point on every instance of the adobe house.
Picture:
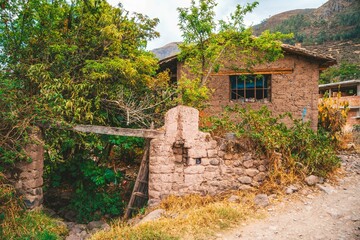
(289, 84)
(350, 92)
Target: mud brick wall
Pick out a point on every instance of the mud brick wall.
(290, 92)
(27, 177)
(187, 160)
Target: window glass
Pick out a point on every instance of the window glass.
(250, 88)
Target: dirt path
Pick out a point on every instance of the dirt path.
(333, 213)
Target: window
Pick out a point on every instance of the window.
(250, 88)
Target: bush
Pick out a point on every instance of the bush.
(332, 116)
(293, 151)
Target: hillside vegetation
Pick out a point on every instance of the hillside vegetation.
(336, 20)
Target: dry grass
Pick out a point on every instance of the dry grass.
(189, 217)
(15, 223)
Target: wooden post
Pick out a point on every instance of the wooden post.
(139, 194)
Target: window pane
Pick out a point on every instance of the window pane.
(250, 87)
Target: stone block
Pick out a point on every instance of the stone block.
(154, 195)
(197, 153)
(215, 162)
(178, 177)
(256, 163)
(237, 163)
(245, 180)
(221, 154)
(35, 191)
(248, 164)
(161, 168)
(205, 161)
(251, 172)
(212, 153)
(193, 179)
(196, 169)
(260, 177)
(247, 157)
(239, 171)
(212, 169)
(212, 144)
(228, 156)
(211, 175)
(262, 168)
(34, 183)
(178, 158)
(225, 169)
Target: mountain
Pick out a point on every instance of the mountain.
(167, 50)
(332, 29)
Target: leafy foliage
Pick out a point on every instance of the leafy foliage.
(76, 62)
(293, 151)
(206, 43)
(342, 72)
(332, 115)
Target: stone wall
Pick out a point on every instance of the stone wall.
(27, 177)
(186, 160)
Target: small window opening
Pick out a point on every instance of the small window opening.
(250, 88)
(198, 161)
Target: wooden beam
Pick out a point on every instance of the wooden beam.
(255, 72)
(144, 133)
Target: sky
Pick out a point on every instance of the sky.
(166, 12)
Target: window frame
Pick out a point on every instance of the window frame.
(265, 87)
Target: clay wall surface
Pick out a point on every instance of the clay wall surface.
(295, 92)
(354, 112)
(187, 160)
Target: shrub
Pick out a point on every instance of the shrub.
(293, 151)
(332, 116)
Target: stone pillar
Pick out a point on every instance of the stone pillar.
(28, 179)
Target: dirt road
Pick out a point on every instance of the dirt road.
(331, 214)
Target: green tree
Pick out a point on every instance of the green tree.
(205, 42)
(75, 62)
(342, 72)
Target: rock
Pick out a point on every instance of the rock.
(77, 228)
(312, 180)
(251, 172)
(237, 163)
(61, 224)
(153, 202)
(261, 200)
(245, 188)
(248, 164)
(73, 237)
(152, 216)
(95, 224)
(70, 216)
(327, 189)
(234, 198)
(260, 177)
(70, 225)
(214, 162)
(245, 180)
(291, 189)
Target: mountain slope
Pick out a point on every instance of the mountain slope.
(334, 20)
(332, 29)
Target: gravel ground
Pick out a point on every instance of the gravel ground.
(327, 211)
